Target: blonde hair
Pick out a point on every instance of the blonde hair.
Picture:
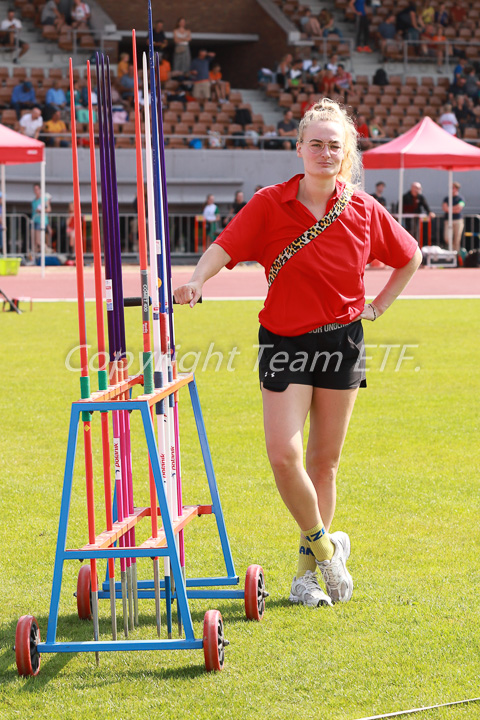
(327, 110)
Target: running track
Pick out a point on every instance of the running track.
(59, 283)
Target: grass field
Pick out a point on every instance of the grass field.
(408, 495)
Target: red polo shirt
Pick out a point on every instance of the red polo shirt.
(323, 283)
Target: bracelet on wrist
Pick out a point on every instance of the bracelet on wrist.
(375, 314)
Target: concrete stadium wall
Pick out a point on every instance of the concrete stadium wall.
(194, 173)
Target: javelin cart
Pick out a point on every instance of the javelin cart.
(115, 405)
(28, 646)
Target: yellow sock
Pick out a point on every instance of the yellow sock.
(306, 558)
(319, 543)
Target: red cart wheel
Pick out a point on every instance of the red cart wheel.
(27, 637)
(214, 643)
(84, 593)
(255, 593)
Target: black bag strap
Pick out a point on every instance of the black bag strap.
(309, 234)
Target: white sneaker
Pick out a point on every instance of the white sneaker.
(335, 574)
(306, 591)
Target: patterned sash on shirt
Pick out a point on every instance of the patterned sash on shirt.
(309, 234)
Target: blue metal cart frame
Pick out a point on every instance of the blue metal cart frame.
(183, 590)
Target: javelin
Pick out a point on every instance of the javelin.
(102, 371)
(148, 383)
(175, 440)
(157, 343)
(421, 709)
(84, 379)
(161, 266)
(112, 324)
(124, 416)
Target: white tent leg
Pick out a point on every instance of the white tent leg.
(400, 195)
(42, 215)
(450, 211)
(4, 212)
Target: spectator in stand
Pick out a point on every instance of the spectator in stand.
(415, 203)
(328, 25)
(442, 16)
(448, 120)
(11, 27)
(309, 24)
(464, 113)
(472, 85)
(312, 68)
(343, 81)
(51, 15)
(458, 203)
(165, 69)
(457, 88)
(476, 112)
(283, 69)
(376, 128)
(362, 30)
(31, 123)
(76, 95)
(127, 86)
(52, 129)
(459, 68)
(200, 69)
(458, 13)
(363, 130)
(390, 38)
(217, 85)
(326, 83)
(23, 97)
(55, 99)
(211, 216)
(160, 41)
(378, 194)
(65, 7)
(332, 64)
(427, 13)
(287, 129)
(181, 46)
(440, 40)
(119, 112)
(123, 64)
(409, 23)
(295, 76)
(433, 44)
(80, 14)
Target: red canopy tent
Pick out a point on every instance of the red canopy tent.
(16, 149)
(426, 145)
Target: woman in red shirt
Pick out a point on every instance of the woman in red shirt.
(311, 351)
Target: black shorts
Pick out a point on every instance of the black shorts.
(330, 356)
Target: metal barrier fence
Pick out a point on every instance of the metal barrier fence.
(431, 231)
(189, 234)
(450, 50)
